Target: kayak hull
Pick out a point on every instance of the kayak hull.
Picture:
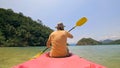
(44, 61)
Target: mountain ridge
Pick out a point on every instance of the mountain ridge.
(90, 41)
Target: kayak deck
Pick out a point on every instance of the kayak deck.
(44, 61)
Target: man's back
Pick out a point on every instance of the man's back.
(59, 41)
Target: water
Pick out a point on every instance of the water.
(106, 55)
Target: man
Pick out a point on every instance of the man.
(58, 41)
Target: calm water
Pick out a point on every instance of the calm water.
(106, 55)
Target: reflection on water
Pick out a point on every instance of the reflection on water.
(107, 55)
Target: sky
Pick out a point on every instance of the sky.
(103, 16)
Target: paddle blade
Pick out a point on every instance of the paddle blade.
(81, 21)
(36, 56)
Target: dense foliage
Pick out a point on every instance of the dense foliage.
(19, 30)
(88, 41)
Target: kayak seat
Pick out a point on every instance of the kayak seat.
(47, 55)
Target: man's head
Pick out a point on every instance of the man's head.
(60, 26)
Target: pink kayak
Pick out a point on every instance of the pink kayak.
(44, 61)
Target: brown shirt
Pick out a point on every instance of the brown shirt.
(58, 40)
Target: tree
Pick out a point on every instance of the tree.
(2, 39)
(19, 30)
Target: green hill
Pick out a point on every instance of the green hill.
(115, 42)
(88, 41)
(19, 30)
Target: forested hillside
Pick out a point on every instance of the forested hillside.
(88, 41)
(19, 30)
(115, 42)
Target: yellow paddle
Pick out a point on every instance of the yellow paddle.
(80, 22)
(37, 55)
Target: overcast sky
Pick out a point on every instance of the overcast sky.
(103, 15)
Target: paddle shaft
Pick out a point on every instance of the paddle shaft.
(44, 50)
(71, 28)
